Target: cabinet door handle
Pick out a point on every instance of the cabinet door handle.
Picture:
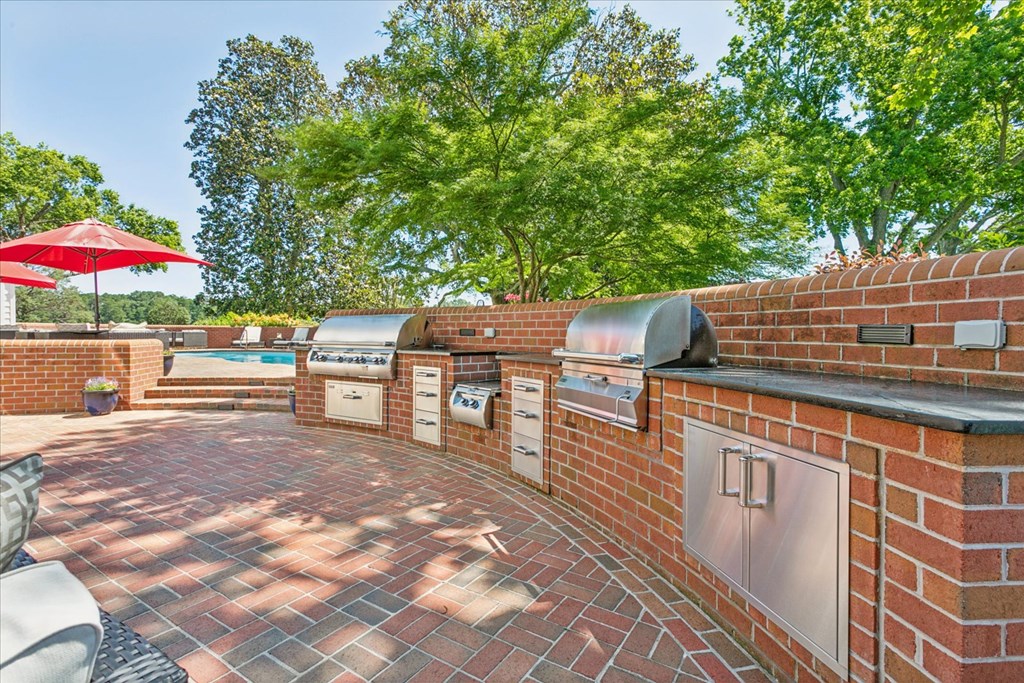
(421, 421)
(524, 387)
(723, 471)
(353, 397)
(524, 450)
(425, 393)
(426, 374)
(747, 481)
(524, 413)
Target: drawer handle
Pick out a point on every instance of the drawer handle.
(747, 481)
(723, 478)
(524, 387)
(524, 450)
(596, 378)
(425, 393)
(353, 397)
(524, 413)
(421, 421)
(426, 374)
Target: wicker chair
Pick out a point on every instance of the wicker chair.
(124, 656)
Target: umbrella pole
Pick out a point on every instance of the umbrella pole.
(96, 292)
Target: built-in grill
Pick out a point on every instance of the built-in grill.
(609, 347)
(365, 345)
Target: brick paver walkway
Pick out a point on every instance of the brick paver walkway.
(250, 549)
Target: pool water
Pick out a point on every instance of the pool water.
(272, 357)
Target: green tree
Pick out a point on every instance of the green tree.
(272, 254)
(543, 149)
(41, 189)
(62, 305)
(167, 311)
(902, 120)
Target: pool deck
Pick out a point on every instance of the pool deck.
(188, 365)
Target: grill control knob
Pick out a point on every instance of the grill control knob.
(474, 404)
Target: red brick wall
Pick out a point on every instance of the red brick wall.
(810, 323)
(47, 376)
(936, 535)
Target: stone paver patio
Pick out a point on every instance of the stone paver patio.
(250, 549)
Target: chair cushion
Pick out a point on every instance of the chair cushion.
(19, 503)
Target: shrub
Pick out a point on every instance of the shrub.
(866, 258)
(232, 319)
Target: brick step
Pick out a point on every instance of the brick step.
(263, 404)
(224, 381)
(217, 391)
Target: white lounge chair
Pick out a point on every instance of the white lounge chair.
(250, 337)
(299, 338)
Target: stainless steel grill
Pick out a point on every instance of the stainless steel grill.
(609, 347)
(365, 345)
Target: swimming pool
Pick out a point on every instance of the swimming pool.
(272, 357)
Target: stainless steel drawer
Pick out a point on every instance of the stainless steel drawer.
(356, 402)
(426, 427)
(427, 398)
(426, 376)
(528, 420)
(528, 457)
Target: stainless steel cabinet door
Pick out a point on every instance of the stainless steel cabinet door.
(713, 523)
(794, 544)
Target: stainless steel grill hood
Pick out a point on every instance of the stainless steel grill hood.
(609, 346)
(365, 345)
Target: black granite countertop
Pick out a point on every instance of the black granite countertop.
(445, 352)
(969, 410)
(542, 358)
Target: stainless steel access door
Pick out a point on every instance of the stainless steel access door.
(794, 544)
(714, 521)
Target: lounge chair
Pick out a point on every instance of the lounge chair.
(250, 337)
(299, 338)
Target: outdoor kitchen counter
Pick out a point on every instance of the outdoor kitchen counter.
(445, 352)
(542, 358)
(969, 410)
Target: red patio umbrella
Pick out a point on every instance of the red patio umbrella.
(17, 274)
(90, 246)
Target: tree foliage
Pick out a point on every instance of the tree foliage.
(42, 189)
(62, 305)
(902, 119)
(543, 149)
(271, 253)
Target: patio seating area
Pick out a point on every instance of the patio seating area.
(247, 548)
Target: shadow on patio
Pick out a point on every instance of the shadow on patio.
(250, 549)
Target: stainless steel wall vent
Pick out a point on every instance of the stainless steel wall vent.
(885, 334)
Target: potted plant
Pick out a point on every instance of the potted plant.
(168, 361)
(100, 395)
(291, 399)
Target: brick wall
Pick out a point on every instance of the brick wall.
(221, 336)
(936, 518)
(46, 376)
(810, 323)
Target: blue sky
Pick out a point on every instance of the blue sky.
(114, 81)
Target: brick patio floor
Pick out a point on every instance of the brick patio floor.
(250, 549)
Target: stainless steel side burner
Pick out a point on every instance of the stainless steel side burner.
(473, 402)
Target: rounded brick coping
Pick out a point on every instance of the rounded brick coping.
(80, 343)
(940, 268)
